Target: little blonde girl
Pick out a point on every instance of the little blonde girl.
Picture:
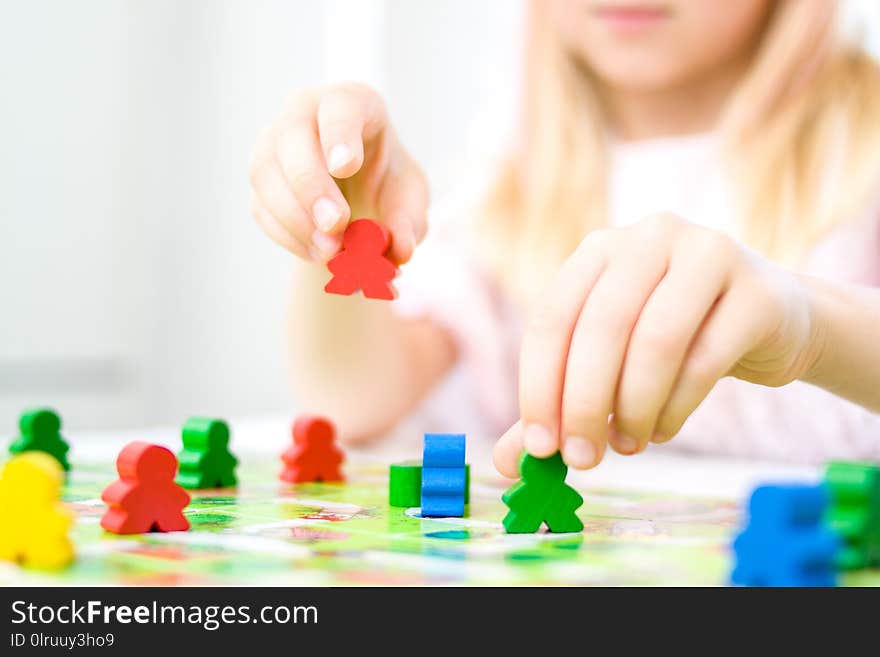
(683, 242)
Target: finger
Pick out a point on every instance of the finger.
(273, 193)
(726, 335)
(348, 115)
(305, 171)
(598, 346)
(403, 205)
(546, 342)
(279, 233)
(507, 450)
(420, 226)
(671, 318)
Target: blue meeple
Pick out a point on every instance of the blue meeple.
(786, 542)
(443, 475)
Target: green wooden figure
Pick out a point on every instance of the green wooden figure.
(854, 512)
(542, 496)
(205, 460)
(41, 432)
(405, 484)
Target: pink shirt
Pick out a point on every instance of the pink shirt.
(796, 423)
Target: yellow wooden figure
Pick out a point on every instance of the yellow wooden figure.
(33, 522)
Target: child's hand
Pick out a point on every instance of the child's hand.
(639, 324)
(332, 156)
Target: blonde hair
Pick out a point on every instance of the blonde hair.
(802, 140)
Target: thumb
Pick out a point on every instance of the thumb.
(403, 207)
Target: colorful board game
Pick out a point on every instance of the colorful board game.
(268, 532)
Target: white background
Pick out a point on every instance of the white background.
(134, 287)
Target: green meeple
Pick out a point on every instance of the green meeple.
(854, 512)
(41, 432)
(542, 496)
(205, 460)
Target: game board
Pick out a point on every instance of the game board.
(270, 533)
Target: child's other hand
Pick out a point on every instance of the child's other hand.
(637, 327)
(332, 156)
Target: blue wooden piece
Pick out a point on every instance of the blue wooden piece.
(443, 481)
(444, 450)
(785, 542)
(444, 478)
(442, 506)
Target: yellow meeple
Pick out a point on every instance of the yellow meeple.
(34, 524)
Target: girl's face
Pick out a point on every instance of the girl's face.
(653, 45)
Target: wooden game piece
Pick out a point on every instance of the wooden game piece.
(785, 542)
(444, 450)
(313, 455)
(443, 492)
(145, 498)
(362, 263)
(542, 496)
(41, 431)
(444, 476)
(205, 460)
(34, 524)
(854, 512)
(405, 484)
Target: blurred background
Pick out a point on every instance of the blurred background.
(134, 287)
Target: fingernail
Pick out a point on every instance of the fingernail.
(326, 245)
(326, 213)
(627, 444)
(659, 438)
(314, 254)
(538, 441)
(339, 156)
(579, 452)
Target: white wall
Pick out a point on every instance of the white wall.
(67, 284)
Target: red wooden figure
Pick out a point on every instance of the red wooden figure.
(313, 455)
(145, 497)
(362, 263)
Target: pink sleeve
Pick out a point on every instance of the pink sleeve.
(444, 283)
(796, 423)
